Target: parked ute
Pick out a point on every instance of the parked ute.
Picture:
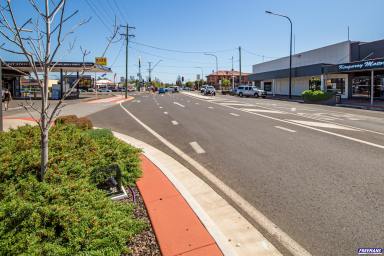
(202, 89)
(250, 91)
(210, 90)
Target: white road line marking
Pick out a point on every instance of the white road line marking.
(278, 234)
(320, 130)
(175, 123)
(312, 116)
(234, 114)
(160, 107)
(285, 129)
(165, 113)
(323, 125)
(210, 107)
(293, 109)
(196, 147)
(262, 110)
(197, 103)
(178, 104)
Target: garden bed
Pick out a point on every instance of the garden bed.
(66, 214)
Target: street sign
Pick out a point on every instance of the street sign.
(101, 61)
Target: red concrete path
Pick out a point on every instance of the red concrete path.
(178, 230)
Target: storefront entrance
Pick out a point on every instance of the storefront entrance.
(361, 86)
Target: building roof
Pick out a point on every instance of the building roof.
(228, 73)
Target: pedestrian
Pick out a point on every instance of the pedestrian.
(7, 98)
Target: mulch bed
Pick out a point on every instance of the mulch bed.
(145, 243)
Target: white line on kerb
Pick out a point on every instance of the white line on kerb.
(295, 248)
(285, 129)
(196, 147)
(234, 114)
(178, 104)
(175, 123)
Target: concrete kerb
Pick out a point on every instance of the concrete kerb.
(232, 232)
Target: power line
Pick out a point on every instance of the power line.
(259, 55)
(93, 9)
(181, 51)
(118, 54)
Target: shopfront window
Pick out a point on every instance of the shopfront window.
(361, 86)
(315, 84)
(268, 86)
(336, 85)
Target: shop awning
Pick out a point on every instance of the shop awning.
(25, 66)
(366, 65)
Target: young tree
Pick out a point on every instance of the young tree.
(39, 40)
(226, 83)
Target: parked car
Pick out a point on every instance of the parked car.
(104, 90)
(91, 90)
(162, 90)
(250, 91)
(202, 88)
(233, 91)
(210, 90)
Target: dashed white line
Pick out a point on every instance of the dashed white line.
(178, 104)
(284, 129)
(160, 107)
(198, 149)
(165, 113)
(175, 123)
(210, 107)
(234, 114)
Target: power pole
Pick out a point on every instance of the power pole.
(239, 64)
(233, 77)
(127, 36)
(149, 71)
(139, 73)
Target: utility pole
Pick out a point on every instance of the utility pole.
(139, 73)
(239, 64)
(233, 77)
(1, 93)
(127, 36)
(149, 71)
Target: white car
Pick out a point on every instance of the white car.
(210, 90)
(250, 91)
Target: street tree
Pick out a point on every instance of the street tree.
(39, 40)
(225, 83)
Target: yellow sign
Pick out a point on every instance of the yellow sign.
(101, 61)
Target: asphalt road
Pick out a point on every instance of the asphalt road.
(315, 171)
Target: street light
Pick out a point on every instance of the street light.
(202, 75)
(217, 69)
(290, 50)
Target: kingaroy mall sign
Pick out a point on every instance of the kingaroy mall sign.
(362, 65)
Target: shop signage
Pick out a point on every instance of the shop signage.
(101, 61)
(362, 65)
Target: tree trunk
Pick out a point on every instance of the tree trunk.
(44, 126)
(44, 154)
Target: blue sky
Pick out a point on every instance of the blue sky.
(217, 26)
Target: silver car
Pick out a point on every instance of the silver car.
(250, 91)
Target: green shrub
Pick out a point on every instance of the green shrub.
(316, 95)
(66, 214)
